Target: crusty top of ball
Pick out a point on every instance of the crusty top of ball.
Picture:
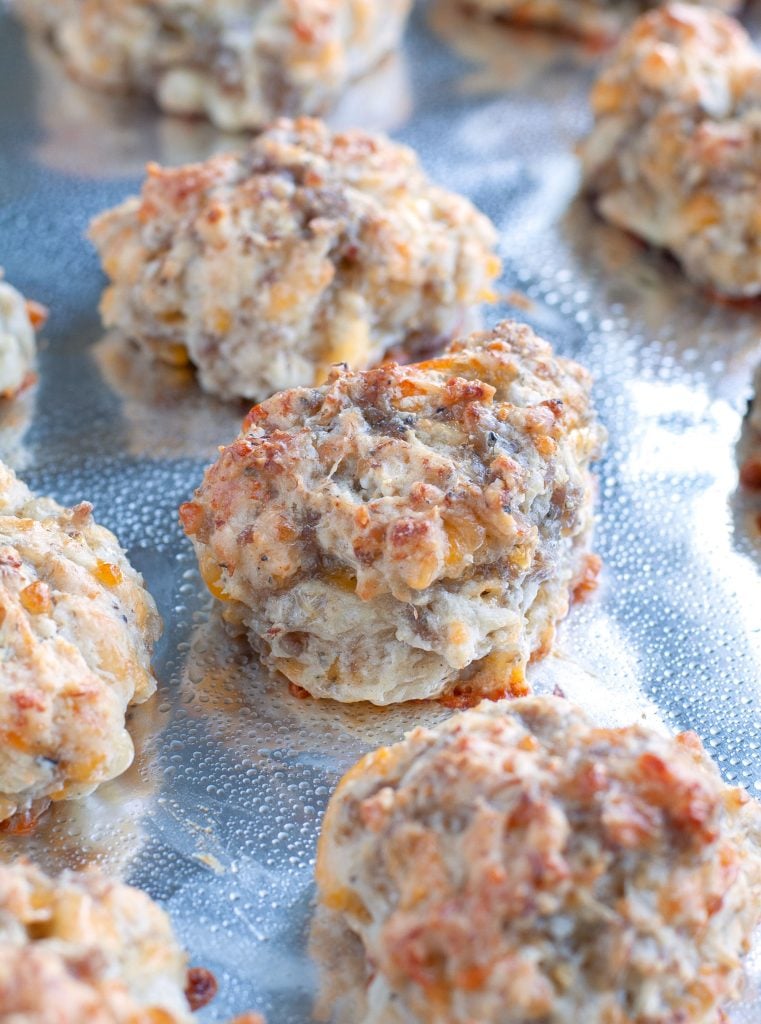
(301, 178)
(403, 475)
(681, 53)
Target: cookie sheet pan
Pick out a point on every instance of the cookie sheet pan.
(219, 815)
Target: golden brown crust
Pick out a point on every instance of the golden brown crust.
(238, 63)
(312, 248)
(518, 863)
(403, 531)
(675, 153)
(77, 628)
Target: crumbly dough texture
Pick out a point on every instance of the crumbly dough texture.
(599, 20)
(408, 531)
(18, 346)
(675, 153)
(84, 948)
(312, 248)
(518, 864)
(76, 631)
(238, 62)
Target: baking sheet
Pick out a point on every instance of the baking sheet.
(218, 817)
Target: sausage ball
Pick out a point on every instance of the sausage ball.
(84, 948)
(409, 531)
(598, 20)
(754, 412)
(518, 864)
(238, 62)
(675, 153)
(18, 347)
(76, 632)
(310, 249)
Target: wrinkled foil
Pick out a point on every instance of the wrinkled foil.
(219, 815)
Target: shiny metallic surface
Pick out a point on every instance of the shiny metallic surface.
(219, 815)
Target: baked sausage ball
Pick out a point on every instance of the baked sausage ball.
(594, 19)
(238, 62)
(76, 632)
(518, 864)
(83, 948)
(409, 531)
(18, 348)
(675, 154)
(310, 249)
